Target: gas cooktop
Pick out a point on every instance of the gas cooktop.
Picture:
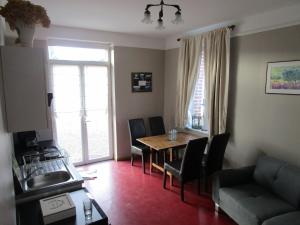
(42, 154)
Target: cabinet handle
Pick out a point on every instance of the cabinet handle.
(50, 97)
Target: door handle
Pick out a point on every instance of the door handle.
(50, 98)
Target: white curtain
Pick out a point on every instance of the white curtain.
(188, 66)
(216, 62)
(216, 48)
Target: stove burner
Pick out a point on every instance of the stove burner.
(51, 155)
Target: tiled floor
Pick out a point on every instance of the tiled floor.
(129, 197)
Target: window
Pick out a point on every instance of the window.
(77, 54)
(197, 116)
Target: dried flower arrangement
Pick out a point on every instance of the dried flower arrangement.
(24, 11)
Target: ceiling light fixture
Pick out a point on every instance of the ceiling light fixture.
(160, 23)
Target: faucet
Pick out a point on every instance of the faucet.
(29, 175)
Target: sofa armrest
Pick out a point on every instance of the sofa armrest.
(230, 177)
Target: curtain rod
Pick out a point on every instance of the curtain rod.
(231, 27)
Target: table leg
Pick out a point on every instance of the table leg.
(151, 160)
(171, 159)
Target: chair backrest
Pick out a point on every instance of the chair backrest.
(157, 126)
(192, 158)
(137, 129)
(216, 151)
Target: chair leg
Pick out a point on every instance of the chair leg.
(217, 207)
(199, 186)
(204, 180)
(132, 158)
(165, 179)
(182, 190)
(176, 153)
(206, 184)
(150, 161)
(143, 164)
(164, 156)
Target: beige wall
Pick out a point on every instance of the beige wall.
(136, 105)
(7, 212)
(7, 203)
(260, 123)
(171, 64)
(129, 105)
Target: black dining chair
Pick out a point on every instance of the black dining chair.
(157, 126)
(213, 160)
(189, 168)
(137, 130)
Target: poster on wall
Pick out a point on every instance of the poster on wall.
(283, 78)
(141, 82)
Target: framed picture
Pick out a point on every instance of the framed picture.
(283, 78)
(141, 82)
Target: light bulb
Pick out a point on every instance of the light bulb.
(147, 17)
(160, 24)
(178, 18)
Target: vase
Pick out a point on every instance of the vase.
(25, 33)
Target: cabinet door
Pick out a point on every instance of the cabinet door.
(24, 81)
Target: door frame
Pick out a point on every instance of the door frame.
(81, 65)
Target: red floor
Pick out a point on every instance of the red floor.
(129, 197)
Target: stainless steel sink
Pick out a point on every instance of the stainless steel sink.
(48, 179)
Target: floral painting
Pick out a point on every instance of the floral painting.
(283, 78)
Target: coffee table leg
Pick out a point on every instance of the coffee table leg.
(151, 160)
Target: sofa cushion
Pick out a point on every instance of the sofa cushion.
(266, 171)
(250, 204)
(280, 178)
(292, 218)
(287, 185)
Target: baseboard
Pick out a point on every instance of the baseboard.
(126, 158)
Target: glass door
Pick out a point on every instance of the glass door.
(68, 112)
(96, 111)
(82, 111)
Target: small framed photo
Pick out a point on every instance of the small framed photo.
(283, 78)
(141, 82)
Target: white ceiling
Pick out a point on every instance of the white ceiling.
(126, 15)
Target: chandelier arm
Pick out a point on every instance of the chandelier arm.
(176, 6)
(150, 5)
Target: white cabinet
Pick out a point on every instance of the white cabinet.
(24, 84)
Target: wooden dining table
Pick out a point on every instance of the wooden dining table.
(162, 143)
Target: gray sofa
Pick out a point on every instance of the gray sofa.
(267, 193)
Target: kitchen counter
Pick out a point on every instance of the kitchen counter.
(30, 213)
